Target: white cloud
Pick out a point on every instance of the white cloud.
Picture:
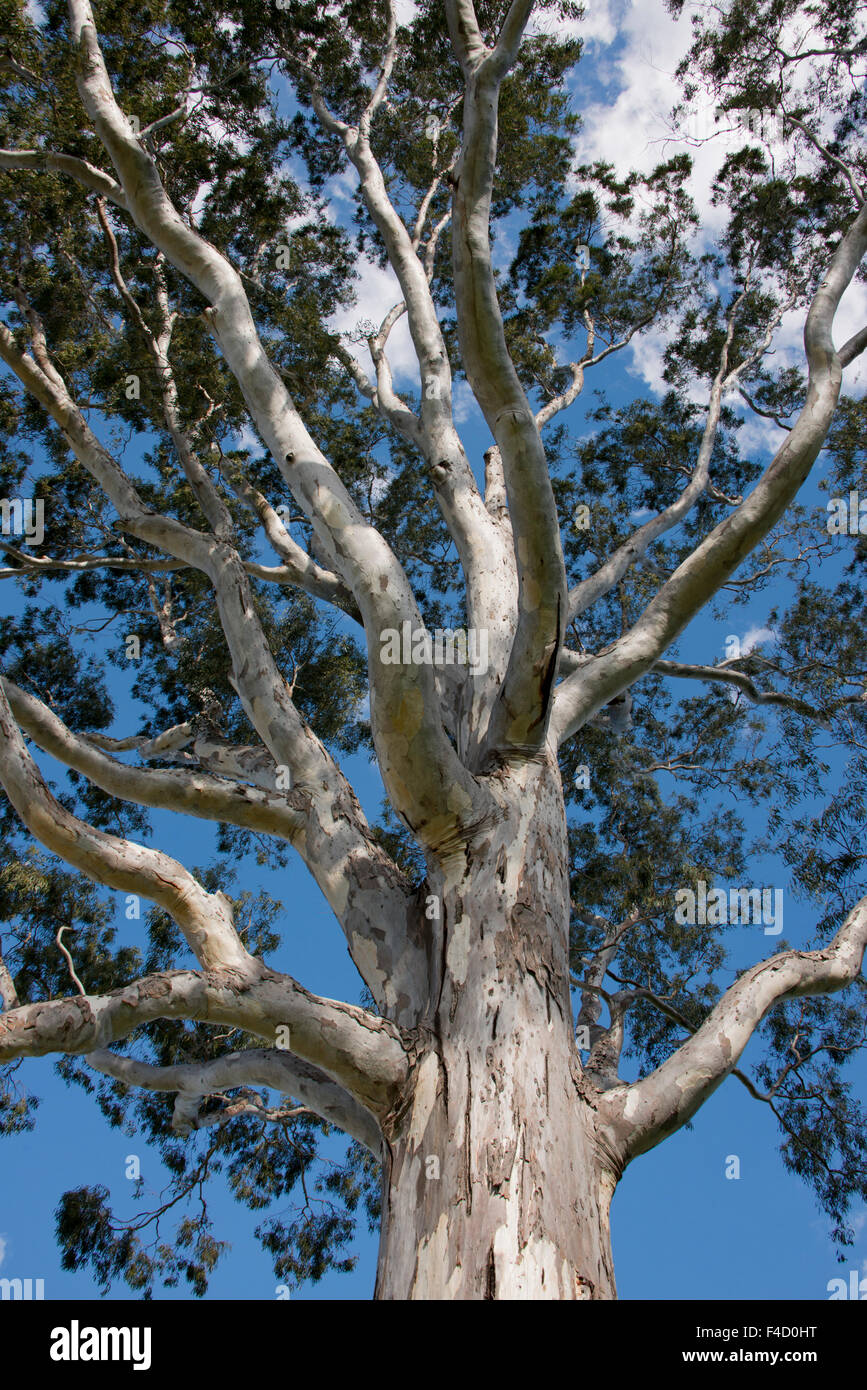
(296, 221)
(758, 437)
(752, 638)
(598, 26)
(465, 406)
(405, 11)
(636, 46)
(634, 129)
(631, 129)
(220, 133)
(377, 291)
(504, 245)
(341, 188)
(379, 487)
(645, 357)
(851, 316)
(755, 636)
(246, 438)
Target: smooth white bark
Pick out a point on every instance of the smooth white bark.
(640, 1115)
(702, 574)
(279, 1071)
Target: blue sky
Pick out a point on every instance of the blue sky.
(681, 1229)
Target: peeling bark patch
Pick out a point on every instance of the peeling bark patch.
(522, 1271)
(432, 1258)
(458, 950)
(366, 957)
(424, 1099)
(500, 1161)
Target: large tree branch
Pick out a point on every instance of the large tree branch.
(264, 691)
(186, 744)
(43, 382)
(748, 686)
(364, 1054)
(213, 507)
(576, 386)
(310, 576)
(8, 993)
(382, 397)
(362, 885)
(609, 574)
(699, 577)
(257, 1067)
(476, 537)
(84, 173)
(357, 877)
(833, 159)
(469, 47)
(419, 765)
(591, 359)
(190, 792)
(520, 716)
(301, 575)
(77, 564)
(853, 347)
(640, 1115)
(204, 918)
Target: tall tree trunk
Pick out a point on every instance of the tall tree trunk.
(494, 1183)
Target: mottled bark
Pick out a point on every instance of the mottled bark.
(495, 1181)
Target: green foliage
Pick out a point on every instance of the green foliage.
(249, 165)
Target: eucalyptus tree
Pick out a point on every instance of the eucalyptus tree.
(256, 522)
